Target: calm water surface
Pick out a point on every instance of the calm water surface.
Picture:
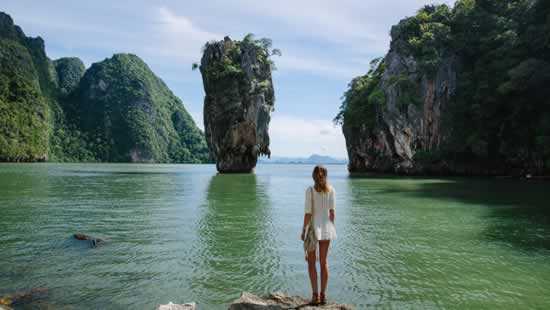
(183, 233)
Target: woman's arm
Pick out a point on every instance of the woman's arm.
(307, 211)
(332, 204)
(307, 218)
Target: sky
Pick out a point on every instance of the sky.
(324, 45)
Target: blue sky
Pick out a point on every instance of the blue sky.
(324, 44)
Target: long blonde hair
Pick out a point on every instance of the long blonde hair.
(320, 175)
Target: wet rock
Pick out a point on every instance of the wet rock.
(22, 298)
(94, 241)
(172, 306)
(239, 99)
(279, 300)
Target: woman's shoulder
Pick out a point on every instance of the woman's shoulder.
(332, 190)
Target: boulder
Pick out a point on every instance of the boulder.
(172, 306)
(22, 298)
(279, 300)
(93, 240)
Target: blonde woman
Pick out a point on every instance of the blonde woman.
(319, 216)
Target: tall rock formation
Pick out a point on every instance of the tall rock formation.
(238, 102)
(461, 91)
(409, 120)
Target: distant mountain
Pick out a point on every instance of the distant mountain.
(116, 111)
(311, 160)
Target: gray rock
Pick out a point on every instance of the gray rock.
(171, 306)
(279, 300)
(238, 103)
(404, 128)
(93, 240)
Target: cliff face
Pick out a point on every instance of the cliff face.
(459, 92)
(410, 119)
(238, 102)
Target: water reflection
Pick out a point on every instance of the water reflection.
(236, 253)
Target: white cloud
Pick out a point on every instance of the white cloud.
(317, 66)
(294, 136)
(180, 38)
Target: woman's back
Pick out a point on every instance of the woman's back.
(319, 204)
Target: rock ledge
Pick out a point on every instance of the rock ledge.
(280, 300)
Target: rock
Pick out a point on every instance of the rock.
(407, 123)
(172, 306)
(21, 298)
(94, 241)
(279, 300)
(239, 99)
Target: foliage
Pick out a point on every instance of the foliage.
(129, 114)
(69, 71)
(503, 93)
(363, 98)
(426, 36)
(231, 61)
(24, 112)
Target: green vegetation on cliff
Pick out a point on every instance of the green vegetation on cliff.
(129, 114)
(500, 110)
(362, 101)
(118, 110)
(24, 112)
(69, 71)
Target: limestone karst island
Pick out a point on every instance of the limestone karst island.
(187, 155)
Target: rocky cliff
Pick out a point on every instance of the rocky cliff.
(239, 99)
(409, 121)
(459, 92)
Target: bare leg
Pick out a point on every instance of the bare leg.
(312, 269)
(323, 253)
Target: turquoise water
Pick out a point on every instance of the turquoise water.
(182, 233)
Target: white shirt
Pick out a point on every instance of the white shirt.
(322, 203)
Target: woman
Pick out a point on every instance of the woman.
(319, 212)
